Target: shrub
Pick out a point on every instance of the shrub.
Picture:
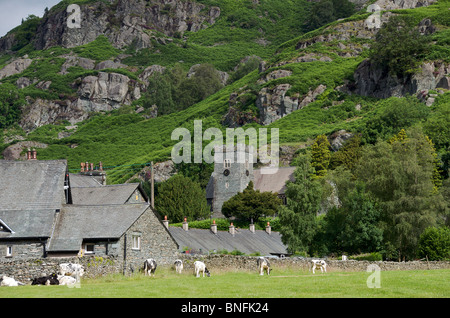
(434, 243)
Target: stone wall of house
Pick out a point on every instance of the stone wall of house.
(22, 250)
(155, 242)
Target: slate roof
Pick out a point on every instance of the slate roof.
(109, 194)
(26, 224)
(243, 240)
(77, 180)
(32, 185)
(76, 223)
(275, 182)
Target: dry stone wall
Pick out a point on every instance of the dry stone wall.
(25, 270)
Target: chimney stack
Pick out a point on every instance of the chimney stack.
(185, 225)
(34, 154)
(214, 227)
(166, 222)
(82, 164)
(268, 228)
(100, 166)
(232, 229)
(252, 227)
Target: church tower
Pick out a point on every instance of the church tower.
(233, 170)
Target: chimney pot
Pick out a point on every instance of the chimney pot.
(33, 153)
(185, 225)
(232, 229)
(166, 222)
(214, 227)
(268, 228)
(82, 164)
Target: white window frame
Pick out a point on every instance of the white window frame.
(86, 248)
(9, 251)
(136, 242)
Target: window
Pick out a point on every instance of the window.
(227, 163)
(9, 251)
(89, 248)
(136, 242)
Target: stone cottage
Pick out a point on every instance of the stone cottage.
(42, 215)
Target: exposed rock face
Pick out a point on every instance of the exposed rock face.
(274, 104)
(127, 22)
(403, 4)
(104, 92)
(372, 81)
(41, 112)
(15, 67)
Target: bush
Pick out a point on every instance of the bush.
(434, 243)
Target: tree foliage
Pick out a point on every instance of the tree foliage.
(320, 155)
(434, 244)
(251, 204)
(174, 90)
(399, 175)
(354, 226)
(399, 47)
(326, 11)
(11, 102)
(180, 197)
(298, 217)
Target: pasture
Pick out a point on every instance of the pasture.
(282, 283)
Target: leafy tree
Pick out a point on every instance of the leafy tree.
(173, 91)
(251, 204)
(354, 226)
(321, 14)
(11, 102)
(399, 47)
(180, 197)
(434, 243)
(197, 172)
(25, 32)
(298, 223)
(348, 155)
(159, 93)
(204, 82)
(245, 68)
(320, 155)
(401, 113)
(399, 175)
(326, 11)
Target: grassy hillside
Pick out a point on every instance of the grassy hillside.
(125, 141)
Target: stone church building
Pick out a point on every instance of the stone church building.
(232, 173)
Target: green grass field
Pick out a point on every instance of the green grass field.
(282, 283)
